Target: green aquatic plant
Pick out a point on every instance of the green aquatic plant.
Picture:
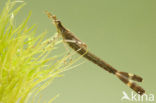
(27, 64)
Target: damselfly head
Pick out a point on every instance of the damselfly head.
(53, 17)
